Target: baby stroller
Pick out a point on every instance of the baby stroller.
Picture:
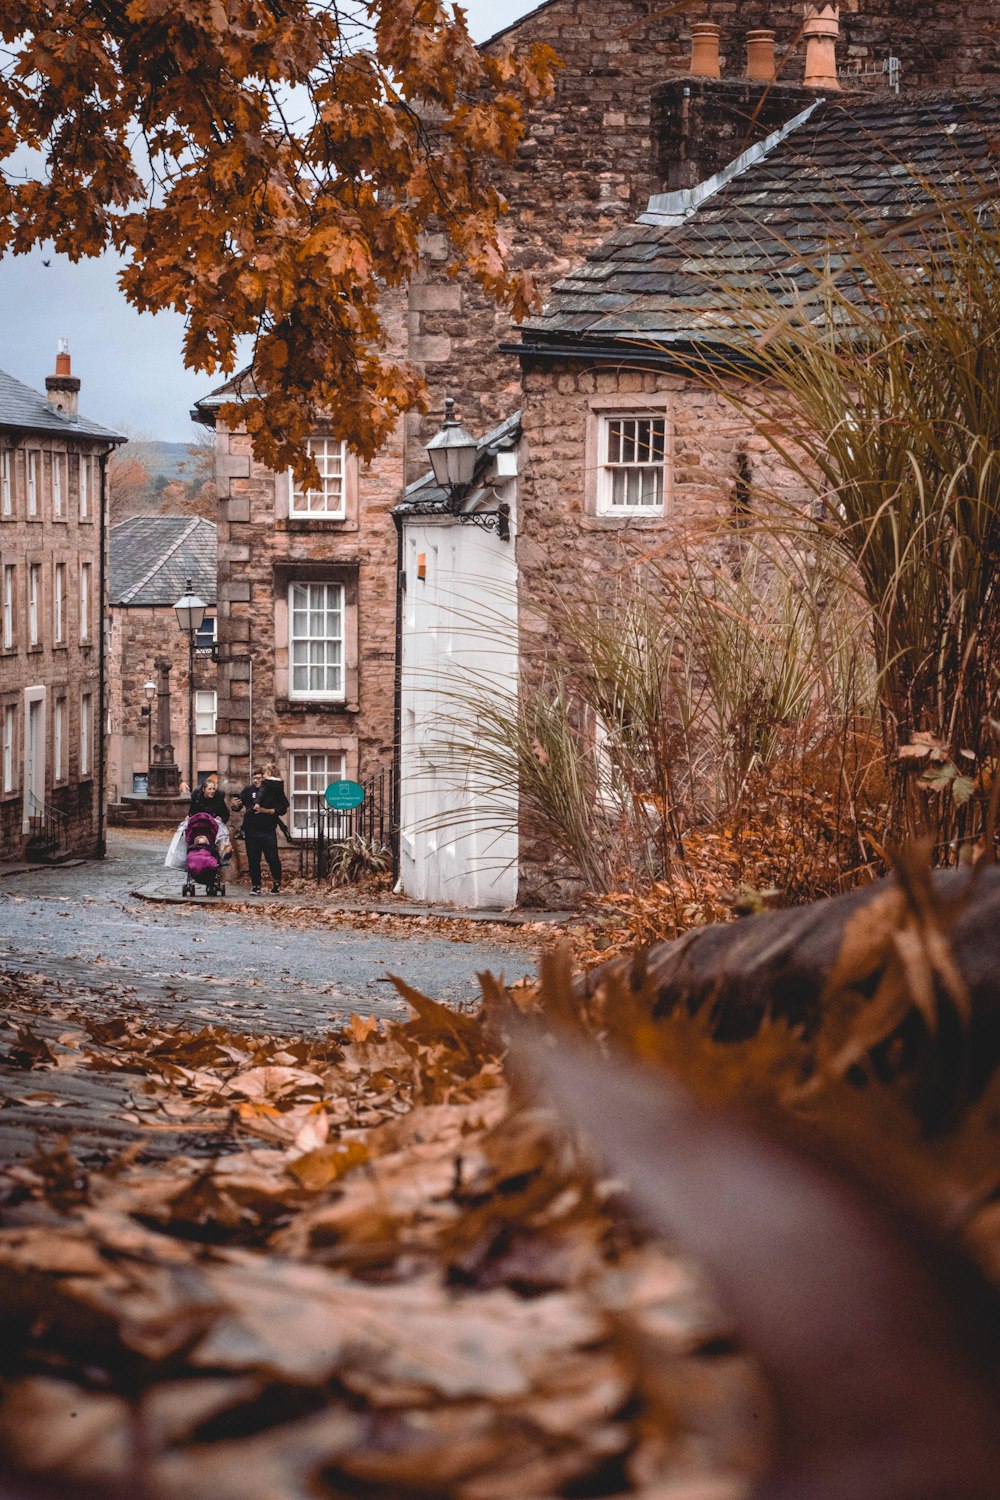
(203, 864)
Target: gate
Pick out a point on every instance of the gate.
(371, 820)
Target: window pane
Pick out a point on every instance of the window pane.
(633, 471)
(316, 639)
(328, 454)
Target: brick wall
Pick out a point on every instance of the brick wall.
(68, 669)
(138, 636)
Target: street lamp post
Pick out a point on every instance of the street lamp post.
(190, 611)
(149, 688)
(452, 453)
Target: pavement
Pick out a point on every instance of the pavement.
(168, 892)
(199, 962)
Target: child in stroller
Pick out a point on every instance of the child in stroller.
(203, 864)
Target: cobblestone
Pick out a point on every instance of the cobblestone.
(105, 953)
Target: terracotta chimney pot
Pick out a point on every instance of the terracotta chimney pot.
(760, 54)
(821, 30)
(705, 49)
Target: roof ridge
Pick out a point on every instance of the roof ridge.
(669, 210)
(130, 594)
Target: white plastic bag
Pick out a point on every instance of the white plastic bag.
(177, 853)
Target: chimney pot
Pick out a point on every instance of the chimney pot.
(705, 49)
(63, 388)
(821, 30)
(760, 55)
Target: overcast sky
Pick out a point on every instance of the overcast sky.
(129, 362)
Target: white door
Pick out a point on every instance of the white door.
(458, 826)
(34, 752)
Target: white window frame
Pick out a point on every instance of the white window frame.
(330, 501)
(6, 490)
(59, 604)
(32, 471)
(86, 728)
(59, 740)
(84, 602)
(84, 486)
(9, 586)
(58, 491)
(309, 774)
(326, 694)
(204, 716)
(201, 638)
(34, 602)
(608, 468)
(9, 744)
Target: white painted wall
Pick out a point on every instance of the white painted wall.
(458, 835)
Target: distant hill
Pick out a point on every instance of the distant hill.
(172, 460)
(149, 477)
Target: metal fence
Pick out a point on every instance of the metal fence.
(49, 826)
(328, 828)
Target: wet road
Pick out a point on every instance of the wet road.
(208, 963)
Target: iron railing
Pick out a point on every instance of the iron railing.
(329, 828)
(47, 824)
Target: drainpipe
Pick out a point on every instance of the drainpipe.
(100, 846)
(397, 702)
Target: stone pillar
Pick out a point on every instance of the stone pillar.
(164, 773)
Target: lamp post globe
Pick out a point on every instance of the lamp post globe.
(452, 453)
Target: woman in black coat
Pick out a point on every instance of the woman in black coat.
(208, 798)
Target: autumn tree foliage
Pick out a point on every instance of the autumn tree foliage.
(266, 167)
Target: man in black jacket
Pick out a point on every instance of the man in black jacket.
(265, 804)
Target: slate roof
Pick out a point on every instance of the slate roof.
(152, 558)
(241, 384)
(28, 410)
(425, 495)
(656, 282)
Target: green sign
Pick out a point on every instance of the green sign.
(343, 795)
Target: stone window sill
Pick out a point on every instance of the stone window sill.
(36, 649)
(10, 796)
(317, 523)
(314, 706)
(60, 520)
(623, 523)
(60, 645)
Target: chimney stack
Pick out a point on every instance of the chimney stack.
(63, 387)
(705, 49)
(821, 30)
(760, 55)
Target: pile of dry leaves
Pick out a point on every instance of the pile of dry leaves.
(390, 1277)
(386, 1271)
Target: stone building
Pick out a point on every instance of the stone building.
(307, 590)
(307, 614)
(52, 662)
(151, 561)
(596, 151)
(628, 448)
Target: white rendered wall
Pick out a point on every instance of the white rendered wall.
(458, 828)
